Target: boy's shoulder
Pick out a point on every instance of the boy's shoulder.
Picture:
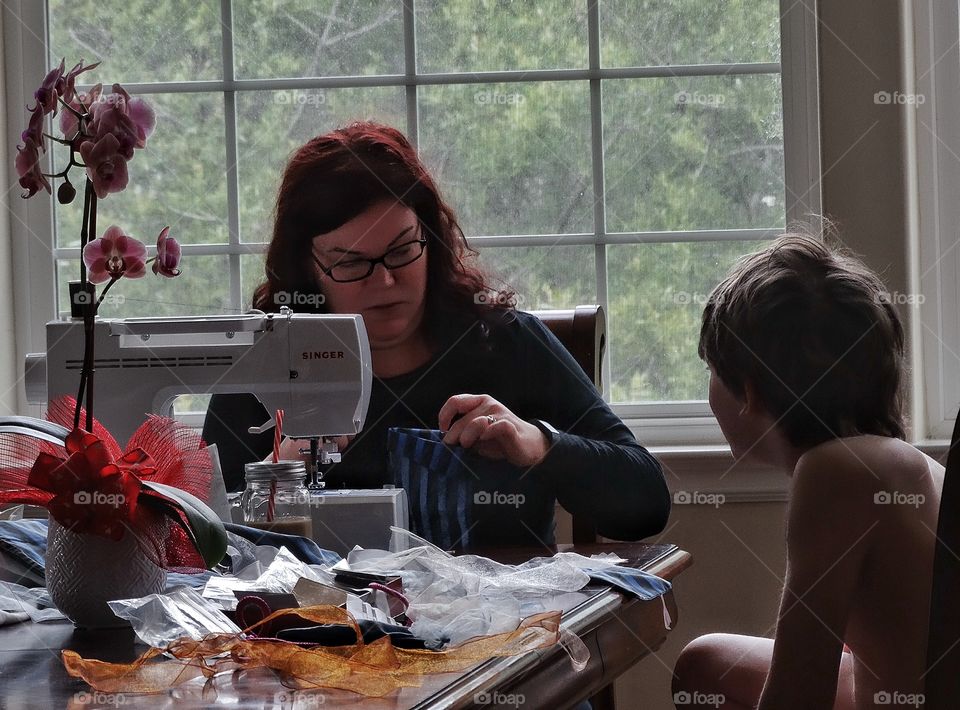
(852, 474)
(870, 456)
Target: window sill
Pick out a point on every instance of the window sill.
(706, 470)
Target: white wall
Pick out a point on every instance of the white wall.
(733, 586)
(8, 353)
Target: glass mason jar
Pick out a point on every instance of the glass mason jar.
(276, 498)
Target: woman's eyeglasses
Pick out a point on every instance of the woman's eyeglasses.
(353, 269)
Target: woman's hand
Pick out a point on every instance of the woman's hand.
(492, 430)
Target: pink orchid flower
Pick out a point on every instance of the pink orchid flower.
(110, 120)
(114, 255)
(168, 255)
(27, 163)
(46, 95)
(81, 103)
(34, 128)
(138, 111)
(130, 120)
(66, 87)
(106, 164)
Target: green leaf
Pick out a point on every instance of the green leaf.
(204, 527)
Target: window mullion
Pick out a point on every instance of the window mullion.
(410, 71)
(230, 143)
(596, 156)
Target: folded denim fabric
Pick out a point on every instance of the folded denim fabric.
(25, 543)
(640, 584)
(303, 548)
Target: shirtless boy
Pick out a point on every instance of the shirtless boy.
(806, 360)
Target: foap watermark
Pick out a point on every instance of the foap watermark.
(898, 498)
(698, 498)
(498, 498)
(896, 298)
(913, 700)
(490, 298)
(498, 98)
(713, 700)
(299, 298)
(298, 699)
(99, 498)
(897, 98)
(499, 699)
(684, 98)
(95, 697)
(296, 97)
(685, 298)
(84, 298)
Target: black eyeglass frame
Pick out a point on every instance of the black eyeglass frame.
(372, 263)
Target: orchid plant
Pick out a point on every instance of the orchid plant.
(103, 132)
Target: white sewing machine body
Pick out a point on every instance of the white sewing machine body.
(317, 368)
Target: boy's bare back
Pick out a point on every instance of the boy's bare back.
(861, 531)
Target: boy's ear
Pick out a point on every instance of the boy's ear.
(751, 402)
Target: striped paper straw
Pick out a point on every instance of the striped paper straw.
(271, 510)
(277, 435)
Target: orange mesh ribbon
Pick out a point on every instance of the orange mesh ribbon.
(372, 670)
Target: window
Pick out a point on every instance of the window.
(931, 108)
(621, 152)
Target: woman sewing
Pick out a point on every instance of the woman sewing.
(360, 221)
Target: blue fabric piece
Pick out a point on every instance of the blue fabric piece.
(640, 584)
(437, 482)
(303, 548)
(459, 500)
(26, 542)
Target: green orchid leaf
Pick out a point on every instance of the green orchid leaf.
(204, 527)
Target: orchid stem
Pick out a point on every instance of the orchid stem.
(91, 314)
(72, 110)
(87, 194)
(105, 289)
(87, 228)
(61, 141)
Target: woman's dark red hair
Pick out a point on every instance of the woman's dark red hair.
(337, 176)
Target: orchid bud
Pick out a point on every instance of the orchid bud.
(66, 192)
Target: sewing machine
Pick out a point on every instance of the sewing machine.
(316, 368)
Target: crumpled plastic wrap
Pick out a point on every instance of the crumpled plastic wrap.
(474, 606)
(279, 575)
(20, 603)
(161, 619)
(454, 598)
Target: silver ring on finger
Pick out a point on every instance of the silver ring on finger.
(491, 419)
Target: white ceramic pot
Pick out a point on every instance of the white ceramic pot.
(85, 571)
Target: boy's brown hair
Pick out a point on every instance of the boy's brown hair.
(813, 330)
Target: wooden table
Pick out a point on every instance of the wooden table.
(618, 631)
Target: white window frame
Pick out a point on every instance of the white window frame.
(32, 223)
(933, 195)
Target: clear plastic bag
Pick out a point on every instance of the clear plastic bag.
(454, 598)
(161, 619)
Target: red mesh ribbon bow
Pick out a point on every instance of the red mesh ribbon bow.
(90, 485)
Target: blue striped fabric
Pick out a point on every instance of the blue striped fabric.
(439, 485)
(460, 500)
